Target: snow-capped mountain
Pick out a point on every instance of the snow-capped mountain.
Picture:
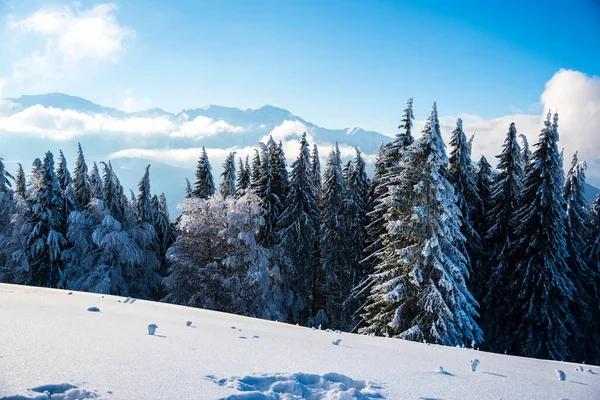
(171, 142)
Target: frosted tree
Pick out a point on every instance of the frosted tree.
(593, 255)
(539, 323)
(204, 186)
(20, 182)
(577, 234)
(216, 261)
(333, 241)
(403, 139)
(356, 221)
(188, 189)
(143, 204)
(44, 240)
(66, 184)
(315, 171)
(6, 213)
(526, 154)
(280, 179)
(419, 291)
(82, 186)
(504, 204)
(243, 177)
(468, 201)
(227, 187)
(298, 234)
(96, 187)
(165, 232)
(255, 175)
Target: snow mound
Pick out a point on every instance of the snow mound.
(60, 391)
(329, 386)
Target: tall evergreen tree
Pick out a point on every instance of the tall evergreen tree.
(205, 186)
(66, 184)
(6, 212)
(143, 205)
(539, 320)
(44, 240)
(82, 186)
(20, 182)
(420, 291)
(297, 232)
(526, 154)
(504, 204)
(243, 177)
(577, 234)
(96, 187)
(315, 171)
(593, 255)
(188, 189)
(333, 241)
(468, 201)
(227, 187)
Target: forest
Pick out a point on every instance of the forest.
(434, 247)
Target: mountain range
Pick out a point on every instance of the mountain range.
(30, 125)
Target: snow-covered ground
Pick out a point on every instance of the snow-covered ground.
(51, 346)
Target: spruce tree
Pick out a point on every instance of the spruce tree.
(468, 201)
(6, 213)
(143, 205)
(82, 186)
(526, 154)
(298, 234)
(96, 187)
(504, 204)
(44, 241)
(188, 189)
(227, 187)
(20, 182)
(539, 320)
(243, 177)
(420, 291)
(205, 186)
(66, 184)
(315, 171)
(333, 241)
(593, 255)
(577, 234)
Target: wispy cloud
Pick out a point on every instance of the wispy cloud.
(201, 127)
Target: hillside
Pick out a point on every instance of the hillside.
(51, 342)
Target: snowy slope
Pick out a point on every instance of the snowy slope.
(47, 337)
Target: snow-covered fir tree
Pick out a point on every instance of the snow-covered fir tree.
(315, 171)
(96, 187)
(592, 254)
(468, 201)
(188, 188)
(205, 185)
(504, 204)
(243, 177)
(143, 204)
(577, 234)
(227, 187)
(66, 185)
(419, 290)
(20, 181)
(44, 240)
(82, 186)
(539, 321)
(333, 239)
(6, 213)
(526, 154)
(298, 233)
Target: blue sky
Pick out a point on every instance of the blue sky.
(335, 63)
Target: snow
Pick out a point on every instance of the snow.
(52, 347)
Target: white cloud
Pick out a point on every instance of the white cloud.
(132, 104)
(201, 127)
(70, 36)
(57, 124)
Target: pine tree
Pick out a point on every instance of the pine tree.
(188, 189)
(82, 186)
(526, 154)
(356, 221)
(315, 172)
(333, 241)
(298, 233)
(593, 255)
(143, 204)
(243, 178)
(205, 186)
(468, 201)
(66, 184)
(504, 204)
(227, 187)
(20, 182)
(44, 240)
(539, 321)
(96, 187)
(420, 291)
(583, 278)
(6, 213)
